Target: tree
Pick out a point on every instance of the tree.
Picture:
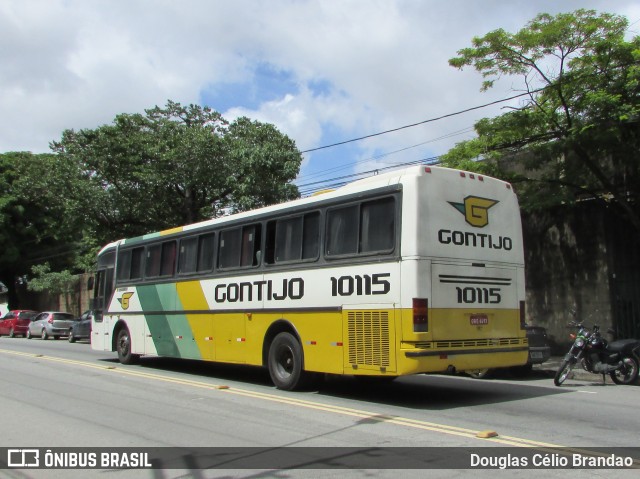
(177, 165)
(56, 283)
(36, 223)
(575, 134)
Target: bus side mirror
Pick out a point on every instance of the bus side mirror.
(90, 283)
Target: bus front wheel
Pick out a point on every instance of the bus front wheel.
(123, 346)
(285, 362)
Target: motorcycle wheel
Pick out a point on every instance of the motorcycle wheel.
(627, 374)
(563, 372)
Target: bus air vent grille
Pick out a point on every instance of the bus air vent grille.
(369, 338)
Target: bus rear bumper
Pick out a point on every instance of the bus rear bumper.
(420, 354)
(420, 361)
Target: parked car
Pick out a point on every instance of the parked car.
(16, 322)
(539, 352)
(539, 348)
(50, 324)
(81, 329)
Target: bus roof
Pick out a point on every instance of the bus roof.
(373, 182)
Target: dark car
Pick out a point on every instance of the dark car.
(539, 352)
(16, 322)
(539, 349)
(81, 329)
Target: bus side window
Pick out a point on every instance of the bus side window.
(137, 262)
(251, 238)
(311, 236)
(130, 263)
(152, 266)
(206, 244)
(289, 239)
(270, 243)
(188, 256)
(229, 248)
(168, 260)
(124, 265)
(342, 231)
(377, 225)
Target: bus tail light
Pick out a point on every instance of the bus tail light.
(522, 314)
(420, 315)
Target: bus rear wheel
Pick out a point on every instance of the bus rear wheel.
(285, 362)
(123, 347)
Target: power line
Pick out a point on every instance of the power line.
(335, 169)
(449, 115)
(430, 120)
(333, 183)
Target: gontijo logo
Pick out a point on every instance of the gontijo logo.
(475, 210)
(124, 300)
(476, 213)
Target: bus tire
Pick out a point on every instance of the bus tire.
(285, 362)
(123, 347)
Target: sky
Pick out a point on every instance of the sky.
(322, 71)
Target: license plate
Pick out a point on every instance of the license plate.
(479, 320)
(536, 355)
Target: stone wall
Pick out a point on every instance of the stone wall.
(581, 258)
(79, 300)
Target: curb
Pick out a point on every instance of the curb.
(551, 366)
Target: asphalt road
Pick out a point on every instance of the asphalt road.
(56, 394)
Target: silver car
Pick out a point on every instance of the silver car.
(50, 323)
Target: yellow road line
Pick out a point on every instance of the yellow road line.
(397, 420)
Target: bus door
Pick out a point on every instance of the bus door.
(100, 326)
(474, 302)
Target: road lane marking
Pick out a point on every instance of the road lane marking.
(303, 403)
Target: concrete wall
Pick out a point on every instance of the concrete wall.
(580, 258)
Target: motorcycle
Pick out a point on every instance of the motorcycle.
(596, 355)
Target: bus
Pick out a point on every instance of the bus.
(419, 270)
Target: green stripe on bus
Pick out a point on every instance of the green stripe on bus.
(179, 324)
(159, 328)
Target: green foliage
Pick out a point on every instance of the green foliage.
(36, 223)
(61, 282)
(176, 165)
(142, 173)
(267, 162)
(576, 135)
(55, 283)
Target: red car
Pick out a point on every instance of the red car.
(16, 322)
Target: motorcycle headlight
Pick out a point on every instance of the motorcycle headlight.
(580, 342)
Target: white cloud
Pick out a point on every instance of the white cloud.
(382, 64)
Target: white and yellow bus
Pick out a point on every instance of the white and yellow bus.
(415, 271)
